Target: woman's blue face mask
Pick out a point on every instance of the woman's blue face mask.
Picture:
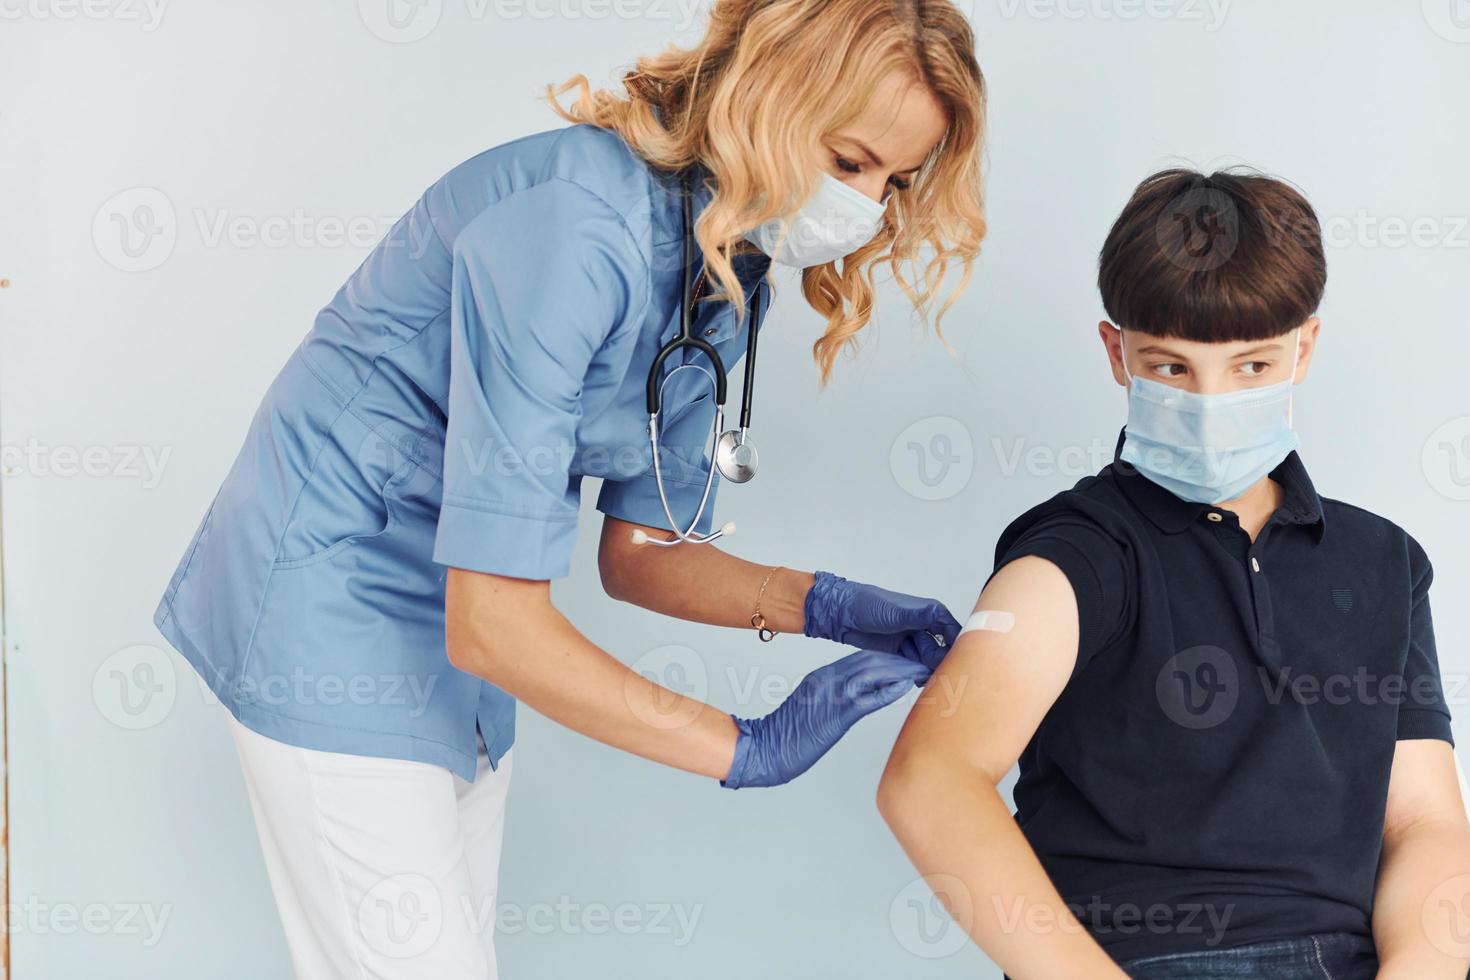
(1208, 448)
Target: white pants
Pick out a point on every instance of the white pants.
(382, 869)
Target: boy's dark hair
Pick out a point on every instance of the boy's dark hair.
(1236, 255)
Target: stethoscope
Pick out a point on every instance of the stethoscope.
(734, 454)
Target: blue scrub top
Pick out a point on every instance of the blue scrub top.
(487, 355)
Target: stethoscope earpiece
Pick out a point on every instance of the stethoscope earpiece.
(640, 536)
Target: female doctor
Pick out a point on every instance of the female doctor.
(368, 593)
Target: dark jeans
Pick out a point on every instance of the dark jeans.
(1333, 956)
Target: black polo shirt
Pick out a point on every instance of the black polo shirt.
(1216, 770)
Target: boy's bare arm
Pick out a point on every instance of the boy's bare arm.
(1424, 874)
(939, 795)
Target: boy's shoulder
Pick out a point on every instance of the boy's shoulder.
(1362, 530)
(1358, 520)
(1095, 507)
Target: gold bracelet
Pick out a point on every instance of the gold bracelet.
(757, 620)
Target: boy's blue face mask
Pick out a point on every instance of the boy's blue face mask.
(1208, 448)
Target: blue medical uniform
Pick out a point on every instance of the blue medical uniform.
(488, 354)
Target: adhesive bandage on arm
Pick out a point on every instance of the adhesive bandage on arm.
(992, 620)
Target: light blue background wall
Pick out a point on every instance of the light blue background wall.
(249, 113)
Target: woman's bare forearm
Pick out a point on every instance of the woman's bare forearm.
(699, 583)
(507, 632)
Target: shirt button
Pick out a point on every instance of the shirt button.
(1255, 565)
(710, 332)
(1215, 516)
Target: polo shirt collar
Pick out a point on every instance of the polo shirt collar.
(1172, 514)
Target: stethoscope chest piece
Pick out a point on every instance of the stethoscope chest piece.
(735, 456)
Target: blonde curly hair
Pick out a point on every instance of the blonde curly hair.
(755, 101)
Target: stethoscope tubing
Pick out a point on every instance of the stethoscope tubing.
(687, 338)
(716, 372)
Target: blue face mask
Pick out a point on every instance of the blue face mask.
(1208, 448)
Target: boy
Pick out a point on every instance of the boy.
(1222, 689)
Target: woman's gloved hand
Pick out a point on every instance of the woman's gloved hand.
(787, 742)
(921, 630)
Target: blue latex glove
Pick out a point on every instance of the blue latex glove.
(787, 742)
(866, 616)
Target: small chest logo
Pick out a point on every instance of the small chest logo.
(1342, 599)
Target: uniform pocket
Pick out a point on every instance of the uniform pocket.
(348, 496)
